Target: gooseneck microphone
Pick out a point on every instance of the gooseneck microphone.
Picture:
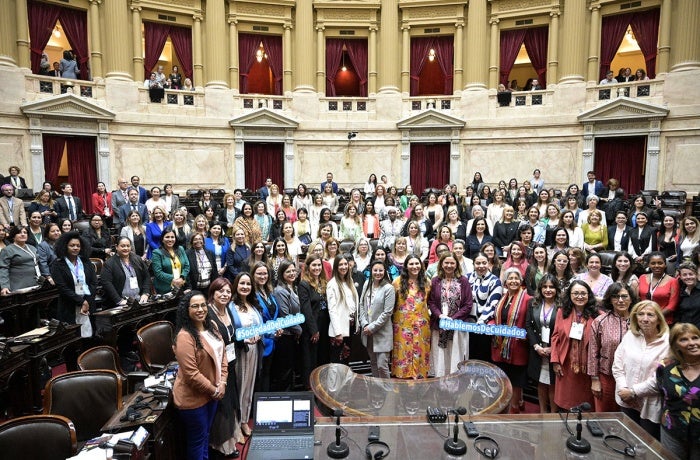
(454, 445)
(577, 443)
(338, 449)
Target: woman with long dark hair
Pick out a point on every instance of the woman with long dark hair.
(262, 287)
(287, 356)
(203, 372)
(570, 341)
(98, 238)
(170, 264)
(376, 307)
(342, 309)
(124, 276)
(315, 343)
(202, 264)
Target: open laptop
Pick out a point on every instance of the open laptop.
(284, 426)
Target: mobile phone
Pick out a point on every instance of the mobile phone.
(471, 429)
(594, 428)
(373, 433)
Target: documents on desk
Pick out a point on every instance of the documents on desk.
(105, 446)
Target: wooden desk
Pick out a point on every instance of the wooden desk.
(14, 380)
(161, 422)
(22, 310)
(526, 436)
(110, 323)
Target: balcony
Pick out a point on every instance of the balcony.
(247, 102)
(43, 87)
(174, 98)
(419, 103)
(650, 91)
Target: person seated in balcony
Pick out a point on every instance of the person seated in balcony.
(626, 76)
(160, 75)
(503, 96)
(44, 65)
(175, 78)
(68, 66)
(641, 75)
(168, 84)
(155, 88)
(609, 78)
(535, 85)
(55, 70)
(187, 86)
(620, 75)
(513, 86)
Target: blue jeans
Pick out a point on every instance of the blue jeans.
(197, 424)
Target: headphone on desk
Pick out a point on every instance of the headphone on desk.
(489, 452)
(380, 453)
(627, 449)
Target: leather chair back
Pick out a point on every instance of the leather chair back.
(45, 437)
(87, 398)
(156, 345)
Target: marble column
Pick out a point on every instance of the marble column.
(239, 157)
(664, 48)
(459, 56)
(215, 31)
(22, 30)
(588, 150)
(103, 153)
(36, 148)
(455, 160)
(493, 52)
(198, 68)
(320, 59)
(234, 64)
(118, 63)
(406, 59)
(651, 172)
(477, 54)
(8, 37)
(137, 55)
(95, 39)
(289, 158)
(389, 63)
(372, 60)
(553, 45)
(406, 156)
(594, 45)
(304, 47)
(573, 41)
(287, 58)
(685, 36)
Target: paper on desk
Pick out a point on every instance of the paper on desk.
(37, 331)
(98, 453)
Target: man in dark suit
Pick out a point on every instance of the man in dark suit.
(55, 72)
(593, 186)
(329, 180)
(535, 85)
(143, 194)
(265, 189)
(133, 204)
(120, 196)
(68, 206)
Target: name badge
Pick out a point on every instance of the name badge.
(576, 331)
(79, 289)
(545, 334)
(133, 283)
(230, 352)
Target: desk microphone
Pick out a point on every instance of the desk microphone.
(338, 449)
(454, 445)
(577, 443)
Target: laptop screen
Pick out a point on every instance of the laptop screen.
(283, 412)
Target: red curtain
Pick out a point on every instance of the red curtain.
(357, 51)
(182, 43)
(74, 24)
(263, 160)
(155, 35)
(42, 20)
(623, 159)
(247, 45)
(273, 48)
(511, 41)
(536, 40)
(53, 152)
(334, 54)
(444, 50)
(420, 46)
(430, 166)
(611, 35)
(645, 26)
(82, 169)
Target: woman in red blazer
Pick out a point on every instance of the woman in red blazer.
(102, 203)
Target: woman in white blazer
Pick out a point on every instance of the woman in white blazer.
(342, 308)
(376, 307)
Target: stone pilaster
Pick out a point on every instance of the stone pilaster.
(493, 52)
(476, 75)
(389, 63)
(304, 47)
(685, 36)
(574, 42)
(594, 44)
(215, 65)
(8, 36)
(553, 45)
(95, 39)
(459, 56)
(137, 55)
(406, 59)
(320, 59)
(664, 49)
(118, 46)
(22, 28)
(234, 64)
(197, 50)
(287, 57)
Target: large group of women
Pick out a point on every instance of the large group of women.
(388, 270)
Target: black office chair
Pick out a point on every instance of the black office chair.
(87, 398)
(156, 345)
(45, 437)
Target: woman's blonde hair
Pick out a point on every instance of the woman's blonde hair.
(661, 325)
(677, 331)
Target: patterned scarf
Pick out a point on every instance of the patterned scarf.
(513, 305)
(450, 294)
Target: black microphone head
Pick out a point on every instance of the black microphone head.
(461, 410)
(337, 412)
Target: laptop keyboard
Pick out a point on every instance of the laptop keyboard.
(281, 442)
